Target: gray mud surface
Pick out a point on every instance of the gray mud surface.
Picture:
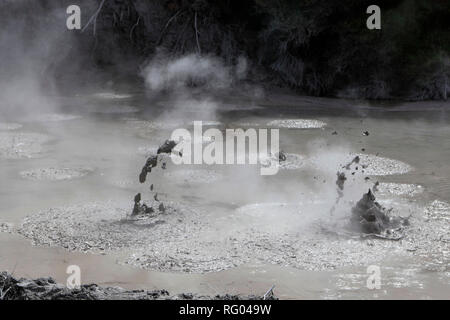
(115, 109)
(55, 117)
(7, 126)
(19, 145)
(55, 174)
(194, 176)
(285, 226)
(185, 239)
(297, 124)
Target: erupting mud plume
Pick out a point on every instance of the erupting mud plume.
(370, 218)
(152, 162)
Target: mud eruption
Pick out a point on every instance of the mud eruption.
(370, 218)
(142, 208)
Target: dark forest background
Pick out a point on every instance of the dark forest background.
(315, 47)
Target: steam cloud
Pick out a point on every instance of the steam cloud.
(174, 74)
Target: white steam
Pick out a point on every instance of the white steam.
(210, 72)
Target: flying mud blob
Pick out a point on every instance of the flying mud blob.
(151, 162)
(354, 161)
(167, 147)
(340, 181)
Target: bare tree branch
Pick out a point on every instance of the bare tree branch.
(167, 25)
(94, 17)
(134, 27)
(196, 34)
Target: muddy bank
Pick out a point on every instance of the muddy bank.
(12, 288)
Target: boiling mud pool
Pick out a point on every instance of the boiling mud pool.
(69, 177)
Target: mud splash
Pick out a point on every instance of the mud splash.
(370, 218)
